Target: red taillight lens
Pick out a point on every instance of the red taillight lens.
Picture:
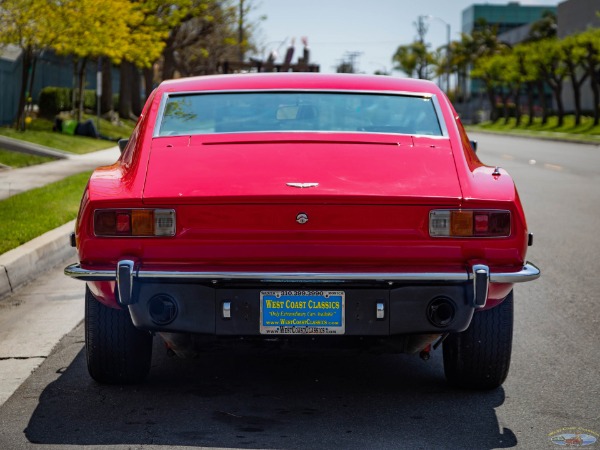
(123, 223)
(105, 223)
(469, 223)
(134, 222)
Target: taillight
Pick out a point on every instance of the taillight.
(469, 223)
(134, 222)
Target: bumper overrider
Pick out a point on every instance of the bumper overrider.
(227, 303)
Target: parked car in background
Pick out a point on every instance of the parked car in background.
(306, 209)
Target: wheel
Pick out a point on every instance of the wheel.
(479, 357)
(117, 352)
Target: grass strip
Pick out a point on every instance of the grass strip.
(30, 214)
(16, 159)
(569, 131)
(40, 132)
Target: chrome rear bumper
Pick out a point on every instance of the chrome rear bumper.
(480, 274)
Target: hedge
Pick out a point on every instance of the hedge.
(53, 100)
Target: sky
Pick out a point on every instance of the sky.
(373, 28)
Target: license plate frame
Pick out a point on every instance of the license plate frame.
(302, 312)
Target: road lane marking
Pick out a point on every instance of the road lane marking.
(553, 167)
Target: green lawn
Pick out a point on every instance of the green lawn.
(586, 131)
(40, 132)
(16, 159)
(32, 213)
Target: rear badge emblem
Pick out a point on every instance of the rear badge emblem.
(302, 185)
(302, 218)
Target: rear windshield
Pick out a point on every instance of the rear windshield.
(298, 111)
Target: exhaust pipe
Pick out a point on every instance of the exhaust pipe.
(441, 312)
(163, 309)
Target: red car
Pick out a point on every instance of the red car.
(306, 209)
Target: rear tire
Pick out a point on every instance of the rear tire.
(117, 352)
(479, 357)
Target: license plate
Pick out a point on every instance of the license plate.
(301, 312)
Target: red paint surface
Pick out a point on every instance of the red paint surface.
(235, 212)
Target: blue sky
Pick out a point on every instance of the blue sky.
(375, 28)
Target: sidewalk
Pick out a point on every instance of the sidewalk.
(15, 181)
(22, 264)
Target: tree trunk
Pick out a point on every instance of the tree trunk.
(492, 99)
(20, 118)
(504, 97)
(74, 90)
(136, 89)
(576, 85)
(543, 103)
(596, 94)
(148, 74)
(125, 109)
(106, 103)
(81, 89)
(592, 67)
(560, 109)
(577, 99)
(530, 105)
(168, 70)
(517, 97)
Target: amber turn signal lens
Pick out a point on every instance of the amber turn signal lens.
(461, 223)
(142, 221)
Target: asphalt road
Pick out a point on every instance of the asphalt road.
(302, 400)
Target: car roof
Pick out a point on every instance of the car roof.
(308, 81)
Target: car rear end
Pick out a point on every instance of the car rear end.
(294, 234)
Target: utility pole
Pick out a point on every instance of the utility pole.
(241, 31)
(351, 57)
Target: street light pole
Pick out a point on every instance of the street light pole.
(448, 63)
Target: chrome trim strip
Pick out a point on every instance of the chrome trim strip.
(426, 95)
(529, 272)
(440, 116)
(159, 114)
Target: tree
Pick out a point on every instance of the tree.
(414, 60)
(95, 28)
(575, 60)
(203, 41)
(590, 43)
(529, 75)
(544, 28)
(483, 41)
(29, 24)
(550, 60)
(345, 66)
(489, 69)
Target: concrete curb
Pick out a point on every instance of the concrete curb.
(24, 263)
(31, 148)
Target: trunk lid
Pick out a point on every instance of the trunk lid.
(372, 169)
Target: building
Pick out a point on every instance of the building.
(504, 17)
(510, 19)
(10, 82)
(574, 16)
(51, 70)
